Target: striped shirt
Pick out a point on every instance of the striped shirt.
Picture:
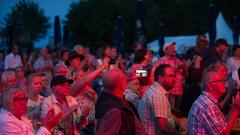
(205, 117)
(154, 103)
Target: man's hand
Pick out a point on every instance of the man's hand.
(50, 121)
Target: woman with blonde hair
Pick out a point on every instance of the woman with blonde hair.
(12, 115)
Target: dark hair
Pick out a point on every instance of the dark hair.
(221, 41)
(140, 55)
(160, 70)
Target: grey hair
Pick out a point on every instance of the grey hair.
(5, 75)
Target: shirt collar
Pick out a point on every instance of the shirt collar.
(158, 86)
(54, 100)
(209, 96)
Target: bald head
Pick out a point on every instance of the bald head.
(113, 80)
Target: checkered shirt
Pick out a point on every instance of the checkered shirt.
(205, 117)
(174, 63)
(132, 97)
(154, 103)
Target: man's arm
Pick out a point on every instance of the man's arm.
(197, 62)
(233, 116)
(78, 86)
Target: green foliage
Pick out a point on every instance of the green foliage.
(26, 23)
(91, 21)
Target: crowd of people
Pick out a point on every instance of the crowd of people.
(72, 92)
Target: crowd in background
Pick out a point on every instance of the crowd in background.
(73, 92)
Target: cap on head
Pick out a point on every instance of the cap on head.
(166, 45)
(60, 79)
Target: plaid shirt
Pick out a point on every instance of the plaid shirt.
(132, 97)
(205, 117)
(174, 63)
(154, 103)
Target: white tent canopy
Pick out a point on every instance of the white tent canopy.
(184, 42)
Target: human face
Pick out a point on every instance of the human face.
(171, 50)
(11, 81)
(36, 84)
(237, 52)
(44, 52)
(223, 48)
(62, 89)
(107, 51)
(65, 56)
(81, 51)
(75, 62)
(168, 78)
(19, 104)
(114, 53)
(218, 83)
(15, 49)
(134, 85)
(61, 70)
(19, 73)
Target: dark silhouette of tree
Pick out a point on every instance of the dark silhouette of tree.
(25, 23)
(57, 32)
(91, 21)
(65, 36)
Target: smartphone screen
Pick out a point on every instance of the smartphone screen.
(141, 73)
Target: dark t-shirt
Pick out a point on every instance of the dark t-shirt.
(209, 56)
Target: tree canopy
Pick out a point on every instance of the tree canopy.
(25, 24)
(91, 21)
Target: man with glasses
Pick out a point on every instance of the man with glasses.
(154, 108)
(205, 116)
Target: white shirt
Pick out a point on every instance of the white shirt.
(12, 61)
(10, 125)
(41, 63)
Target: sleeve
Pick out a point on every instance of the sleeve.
(6, 62)
(110, 123)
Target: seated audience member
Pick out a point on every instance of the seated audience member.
(45, 82)
(205, 116)
(34, 87)
(114, 114)
(60, 100)
(12, 116)
(20, 75)
(133, 92)
(9, 79)
(44, 61)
